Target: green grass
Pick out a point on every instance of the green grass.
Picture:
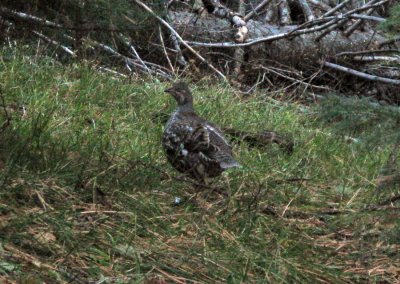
(75, 134)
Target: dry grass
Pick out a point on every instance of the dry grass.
(87, 195)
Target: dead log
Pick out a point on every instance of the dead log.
(282, 44)
(308, 50)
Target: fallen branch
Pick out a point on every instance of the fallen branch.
(373, 58)
(369, 18)
(361, 74)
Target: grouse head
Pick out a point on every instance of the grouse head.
(181, 92)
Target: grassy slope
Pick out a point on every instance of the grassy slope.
(84, 133)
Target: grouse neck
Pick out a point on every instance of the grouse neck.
(188, 107)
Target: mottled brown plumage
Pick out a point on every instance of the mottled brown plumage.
(193, 145)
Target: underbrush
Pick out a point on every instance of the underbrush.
(88, 196)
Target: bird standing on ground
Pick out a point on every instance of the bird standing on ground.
(193, 145)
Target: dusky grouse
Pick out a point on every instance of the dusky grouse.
(193, 145)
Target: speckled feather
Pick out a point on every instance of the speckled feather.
(193, 145)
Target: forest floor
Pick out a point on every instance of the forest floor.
(87, 195)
